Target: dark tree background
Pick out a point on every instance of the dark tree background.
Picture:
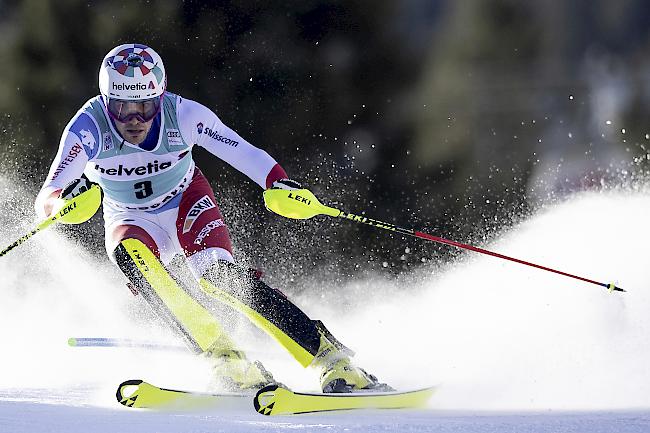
(454, 117)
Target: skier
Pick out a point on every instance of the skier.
(135, 140)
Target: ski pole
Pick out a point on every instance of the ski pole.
(44, 224)
(121, 342)
(76, 210)
(302, 204)
(127, 343)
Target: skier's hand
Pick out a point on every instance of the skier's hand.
(287, 184)
(49, 203)
(71, 190)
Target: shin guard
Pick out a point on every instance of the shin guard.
(169, 300)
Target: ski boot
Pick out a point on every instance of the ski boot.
(338, 373)
(234, 372)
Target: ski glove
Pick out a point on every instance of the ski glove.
(287, 184)
(76, 187)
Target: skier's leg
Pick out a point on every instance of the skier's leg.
(136, 255)
(132, 237)
(134, 250)
(310, 343)
(204, 239)
(200, 329)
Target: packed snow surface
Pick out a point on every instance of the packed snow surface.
(512, 348)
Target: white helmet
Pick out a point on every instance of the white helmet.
(132, 72)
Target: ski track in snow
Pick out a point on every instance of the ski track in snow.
(513, 348)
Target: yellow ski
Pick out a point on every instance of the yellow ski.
(276, 400)
(140, 394)
(270, 400)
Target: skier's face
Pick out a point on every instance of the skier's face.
(134, 130)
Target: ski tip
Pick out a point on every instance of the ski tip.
(127, 392)
(265, 399)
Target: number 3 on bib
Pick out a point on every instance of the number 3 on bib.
(143, 189)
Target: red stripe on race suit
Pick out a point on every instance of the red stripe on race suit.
(200, 225)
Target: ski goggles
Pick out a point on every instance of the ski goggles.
(143, 110)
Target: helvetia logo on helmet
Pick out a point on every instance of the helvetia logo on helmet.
(134, 86)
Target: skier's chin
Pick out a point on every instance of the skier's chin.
(135, 133)
(135, 137)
